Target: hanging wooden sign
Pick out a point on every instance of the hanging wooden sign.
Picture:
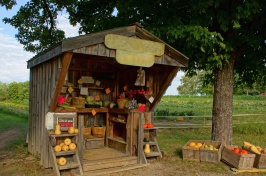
(133, 51)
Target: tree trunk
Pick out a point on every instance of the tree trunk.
(222, 129)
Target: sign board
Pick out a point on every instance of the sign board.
(134, 51)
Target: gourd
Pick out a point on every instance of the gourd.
(71, 130)
(62, 161)
(65, 148)
(72, 146)
(57, 130)
(61, 144)
(147, 149)
(67, 141)
(57, 148)
(76, 131)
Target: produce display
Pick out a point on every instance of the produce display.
(253, 148)
(65, 146)
(148, 125)
(211, 147)
(195, 145)
(239, 151)
(61, 161)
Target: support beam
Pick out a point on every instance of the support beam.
(65, 65)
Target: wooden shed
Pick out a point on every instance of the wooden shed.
(112, 79)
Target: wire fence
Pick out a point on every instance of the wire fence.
(203, 121)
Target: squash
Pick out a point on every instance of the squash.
(65, 148)
(71, 130)
(67, 141)
(76, 131)
(147, 149)
(57, 148)
(61, 144)
(62, 161)
(57, 130)
(72, 146)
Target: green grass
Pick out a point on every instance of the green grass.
(17, 120)
(245, 128)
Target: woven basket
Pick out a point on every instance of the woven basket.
(121, 103)
(87, 132)
(78, 102)
(98, 131)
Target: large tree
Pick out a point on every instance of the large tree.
(221, 36)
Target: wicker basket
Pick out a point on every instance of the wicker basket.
(98, 131)
(78, 102)
(87, 132)
(121, 103)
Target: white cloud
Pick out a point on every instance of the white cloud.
(13, 60)
(172, 89)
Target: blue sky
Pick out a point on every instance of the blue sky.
(14, 59)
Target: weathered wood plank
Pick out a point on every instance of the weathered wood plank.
(60, 81)
(164, 85)
(94, 38)
(92, 50)
(47, 55)
(179, 57)
(166, 60)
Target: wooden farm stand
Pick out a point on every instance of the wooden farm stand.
(112, 58)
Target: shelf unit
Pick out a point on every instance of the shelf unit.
(73, 161)
(117, 133)
(154, 147)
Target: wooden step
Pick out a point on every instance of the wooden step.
(108, 163)
(153, 154)
(113, 170)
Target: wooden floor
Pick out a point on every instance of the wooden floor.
(101, 153)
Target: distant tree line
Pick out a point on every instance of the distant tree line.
(199, 85)
(14, 91)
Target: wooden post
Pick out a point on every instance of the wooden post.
(80, 137)
(141, 156)
(66, 62)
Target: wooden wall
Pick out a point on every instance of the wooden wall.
(43, 81)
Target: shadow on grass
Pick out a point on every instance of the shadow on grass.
(178, 153)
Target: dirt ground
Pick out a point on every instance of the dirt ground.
(22, 163)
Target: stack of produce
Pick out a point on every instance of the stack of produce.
(255, 149)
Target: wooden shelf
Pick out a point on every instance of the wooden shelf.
(118, 111)
(117, 140)
(69, 165)
(153, 154)
(62, 153)
(117, 121)
(63, 135)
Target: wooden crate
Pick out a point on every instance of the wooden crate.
(190, 153)
(260, 160)
(93, 143)
(238, 161)
(208, 155)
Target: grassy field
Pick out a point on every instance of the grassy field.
(171, 140)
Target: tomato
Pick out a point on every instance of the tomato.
(149, 125)
(145, 125)
(236, 150)
(243, 152)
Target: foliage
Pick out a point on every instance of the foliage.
(18, 92)
(3, 91)
(223, 36)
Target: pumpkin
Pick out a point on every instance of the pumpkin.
(67, 141)
(62, 161)
(71, 130)
(65, 148)
(57, 148)
(72, 146)
(149, 125)
(76, 131)
(61, 144)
